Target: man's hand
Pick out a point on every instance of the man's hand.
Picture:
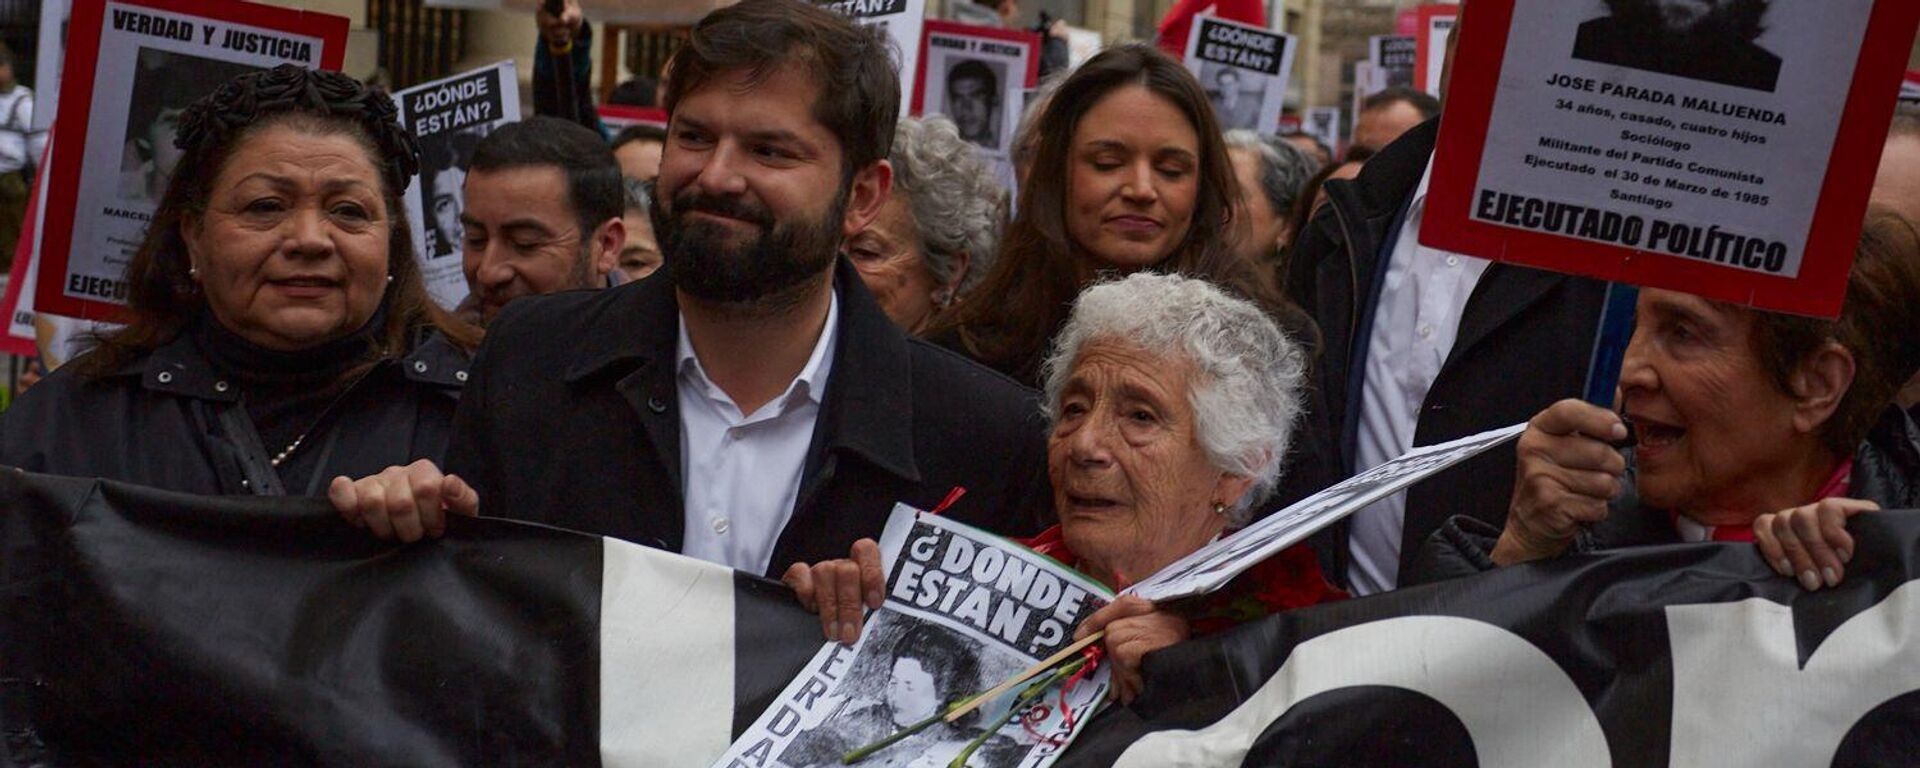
(836, 589)
(1566, 475)
(559, 30)
(404, 502)
(1811, 542)
(1134, 628)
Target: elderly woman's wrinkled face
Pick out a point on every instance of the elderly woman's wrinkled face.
(1710, 422)
(892, 264)
(1132, 486)
(1133, 178)
(292, 249)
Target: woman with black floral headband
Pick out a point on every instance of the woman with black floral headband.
(279, 333)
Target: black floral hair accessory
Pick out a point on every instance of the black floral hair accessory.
(243, 101)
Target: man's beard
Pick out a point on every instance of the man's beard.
(767, 274)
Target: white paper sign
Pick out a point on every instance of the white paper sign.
(980, 83)
(1439, 29)
(47, 60)
(1244, 70)
(449, 117)
(1213, 566)
(902, 21)
(1394, 56)
(964, 610)
(1323, 123)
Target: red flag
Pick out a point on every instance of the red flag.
(1173, 29)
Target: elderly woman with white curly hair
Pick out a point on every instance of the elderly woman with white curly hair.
(1172, 405)
(939, 230)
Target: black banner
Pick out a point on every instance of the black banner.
(1687, 655)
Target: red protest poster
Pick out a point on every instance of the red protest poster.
(979, 77)
(1434, 25)
(18, 300)
(1718, 160)
(131, 67)
(618, 116)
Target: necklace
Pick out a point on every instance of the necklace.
(317, 421)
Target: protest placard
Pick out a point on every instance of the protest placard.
(1214, 566)
(1435, 26)
(18, 299)
(617, 117)
(964, 610)
(1244, 70)
(46, 61)
(1367, 81)
(1323, 123)
(449, 117)
(1910, 87)
(1733, 162)
(132, 67)
(901, 21)
(1395, 56)
(978, 77)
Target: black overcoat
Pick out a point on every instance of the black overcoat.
(572, 419)
(170, 420)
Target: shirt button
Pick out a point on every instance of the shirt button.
(1453, 261)
(720, 526)
(1426, 331)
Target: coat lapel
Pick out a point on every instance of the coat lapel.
(1504, 292)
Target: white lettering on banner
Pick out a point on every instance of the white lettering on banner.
(1740, 696)
(1738, 683)
(1520, 710)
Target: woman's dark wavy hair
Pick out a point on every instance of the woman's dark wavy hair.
(1007, 320)
(163, 299)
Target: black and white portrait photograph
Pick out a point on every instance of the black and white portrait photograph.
(973, 98)
(1235, 94)
(443, 174)
(164, 84)
(1712, 40)
(907, 671)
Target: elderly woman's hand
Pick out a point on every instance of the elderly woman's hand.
(1135, 627)
(404, 502)
(1567, 473)
(1810, 542)
(836, 589)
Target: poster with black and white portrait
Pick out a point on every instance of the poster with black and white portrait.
(1244, 70)
(978, 77)
(1435, 27)
(133, 67)
(449, 117)
(1323, 123)
(964, 610)
(1718, 147)
(1395, 57)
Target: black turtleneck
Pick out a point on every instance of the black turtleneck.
(289, 394)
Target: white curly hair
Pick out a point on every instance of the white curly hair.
(957, 204)
(1247, 375)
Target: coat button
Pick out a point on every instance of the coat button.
(657, 404)
(419, 366)
(165, 377)
(460, 375)
(219, 386)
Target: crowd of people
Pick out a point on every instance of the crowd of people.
(747, 337)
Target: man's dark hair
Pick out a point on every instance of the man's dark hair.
(641, 132)
(974, 69)
(593, 174)
(859, 97)
(1424, 102)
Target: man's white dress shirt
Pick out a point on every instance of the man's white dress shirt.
(742, 471)
(1414, 326)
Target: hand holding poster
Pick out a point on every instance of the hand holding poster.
(979, 77)
(449, 117)
(1681, 151)
(133, 67)
(1244, 70)
(902, 22)
(964, 610)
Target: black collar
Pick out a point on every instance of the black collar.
(179, 367)
(868, 410)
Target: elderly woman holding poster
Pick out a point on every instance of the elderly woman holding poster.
(278, 332)
(1747, 426)
(1172, 405)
